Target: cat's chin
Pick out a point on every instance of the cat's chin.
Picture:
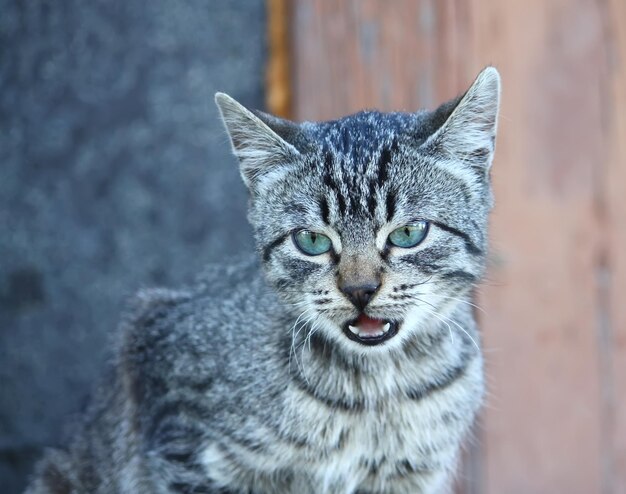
(369, 331)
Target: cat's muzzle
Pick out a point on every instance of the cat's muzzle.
(369, 331)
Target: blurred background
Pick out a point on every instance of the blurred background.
(115, 174)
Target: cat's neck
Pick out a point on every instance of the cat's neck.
(353, 379)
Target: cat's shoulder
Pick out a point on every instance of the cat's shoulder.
(169, 338)
(161, 321)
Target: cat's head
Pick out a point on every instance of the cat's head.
(372, 226)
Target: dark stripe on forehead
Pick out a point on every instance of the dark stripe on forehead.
(384, 161)
(470, 246)
(381, 166)
(390, 203)
(324, 211)
(371, 198)
(346, 139)
(328, 164)
(341, 202)
(380, 178)
(330, 183)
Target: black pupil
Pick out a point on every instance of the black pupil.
(407, 232)
(313, 238)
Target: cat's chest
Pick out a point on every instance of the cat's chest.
(400, 439)
(394, 431)
(315, 447)
(372, 447)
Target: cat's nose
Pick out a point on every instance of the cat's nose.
(360, 295)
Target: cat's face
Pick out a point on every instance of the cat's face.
(371, 227)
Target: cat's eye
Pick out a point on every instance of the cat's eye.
(408, 236)
(312, 243)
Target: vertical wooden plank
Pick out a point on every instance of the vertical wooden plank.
(544, 417)
(400, 55)
(278, 66)
(615, 105)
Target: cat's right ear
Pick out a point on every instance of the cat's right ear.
(260, 150)
(468, 132)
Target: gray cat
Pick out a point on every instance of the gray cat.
(352, 364)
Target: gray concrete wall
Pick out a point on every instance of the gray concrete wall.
(115, 174)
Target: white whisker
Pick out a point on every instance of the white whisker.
(438, 316)
(463, 301)
(443, 318)
(314, 320)
(295, 331)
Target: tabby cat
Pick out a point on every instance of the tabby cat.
(346, 359)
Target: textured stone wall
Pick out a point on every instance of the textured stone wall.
(115, 174)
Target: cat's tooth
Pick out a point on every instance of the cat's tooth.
(354, 330)
(386, 327)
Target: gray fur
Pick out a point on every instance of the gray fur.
(246, 383)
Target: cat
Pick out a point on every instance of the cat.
(345, 358)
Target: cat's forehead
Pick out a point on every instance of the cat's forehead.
(362, 136)
(348, 174)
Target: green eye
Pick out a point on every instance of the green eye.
(409, 235)
(312, 243)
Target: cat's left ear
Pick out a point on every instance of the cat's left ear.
(256, 141)
(469, 132)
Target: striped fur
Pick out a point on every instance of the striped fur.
(245, 382)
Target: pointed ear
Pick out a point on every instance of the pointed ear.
(260, 149)
(468, 134)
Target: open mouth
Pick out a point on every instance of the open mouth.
(369, 331)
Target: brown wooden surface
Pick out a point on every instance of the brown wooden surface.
(278, 74)
(555, 299)
(615, 183)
